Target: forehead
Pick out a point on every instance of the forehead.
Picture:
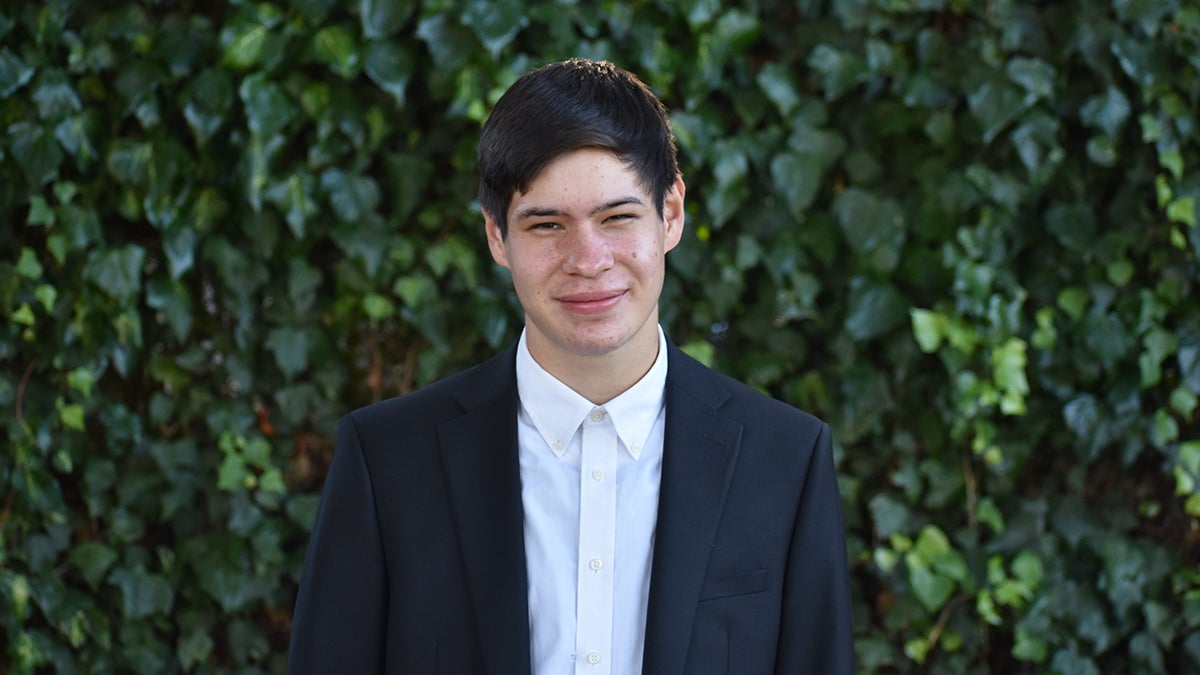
(582, 178)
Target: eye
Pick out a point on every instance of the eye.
(620, 217)
(544, 226)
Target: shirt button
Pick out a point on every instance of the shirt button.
(593, 658)
(597, 415)
(595, 564)
(597, 474)
(558, 446)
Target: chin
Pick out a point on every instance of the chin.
(598, 345)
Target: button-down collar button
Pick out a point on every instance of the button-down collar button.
(558, 446)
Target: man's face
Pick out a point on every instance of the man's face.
(586, 249)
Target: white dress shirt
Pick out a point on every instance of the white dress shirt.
(589, 485)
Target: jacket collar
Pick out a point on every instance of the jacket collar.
(479, 457)
(700, 449)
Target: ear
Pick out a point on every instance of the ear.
(495, 240)
(673, 214)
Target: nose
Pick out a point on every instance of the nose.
(589, 254)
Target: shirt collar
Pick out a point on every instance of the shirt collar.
(557, 411)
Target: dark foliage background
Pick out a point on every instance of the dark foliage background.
(965, 233)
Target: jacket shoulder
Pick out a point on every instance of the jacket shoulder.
(733, 397)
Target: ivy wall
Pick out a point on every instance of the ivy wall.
(963, 232)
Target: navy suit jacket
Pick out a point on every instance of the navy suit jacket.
(416, 563)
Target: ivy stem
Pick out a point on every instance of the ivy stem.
(943, 619)
(21, 387)
(8, 504)
(972, 490)
(20, 413)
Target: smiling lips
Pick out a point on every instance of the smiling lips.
(591, 302)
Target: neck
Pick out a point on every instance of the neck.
(601, 377)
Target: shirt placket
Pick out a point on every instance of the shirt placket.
(597, 543)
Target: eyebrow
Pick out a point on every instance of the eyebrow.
(542, 212)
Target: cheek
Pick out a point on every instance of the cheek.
(529, 274)
(644, 254)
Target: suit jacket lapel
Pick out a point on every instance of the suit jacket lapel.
(699, 453)
(479, 456)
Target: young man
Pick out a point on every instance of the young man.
(591, 500)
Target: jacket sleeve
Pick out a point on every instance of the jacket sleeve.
(816, 630)
(340, 618)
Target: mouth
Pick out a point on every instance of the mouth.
(591, 302)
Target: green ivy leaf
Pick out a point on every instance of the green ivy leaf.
(14, 73)
(1148, 13)
(777, 81)
(737, 29)
(257, 452)
(130, 162)
(415, 290)
(93, 560)
(839, 71)
(1172, 160)
(1073, 225)
(315, 10)
(382, 18)
(453, 253)
(272, 482)
(352, 195)
(730, 171)
(441, 35)
(303, 282)
(54, 96)
(117, 272)
(40, 212)
(335, 47)
(224, 570)
(1035, 75)
(232, 474)
(175, 303)
(290, 346)
(797, 178)
(1027, 567)
(208, 103)
(1107, 112)
(1182, 210)
(928, 328)
(995, 103)
(931, 590)
(28, 265)
(377, 306)
(989, 514)
(1029, 647)
(268, 108)
(1008, 370)
(391, 67)
(874, 228)
(1107, 338)
(875, 308)
(244, 44)
(194, 648)
(71, 415)
(495, 22)
(143, 593)
(36, 151)
(81, 380)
